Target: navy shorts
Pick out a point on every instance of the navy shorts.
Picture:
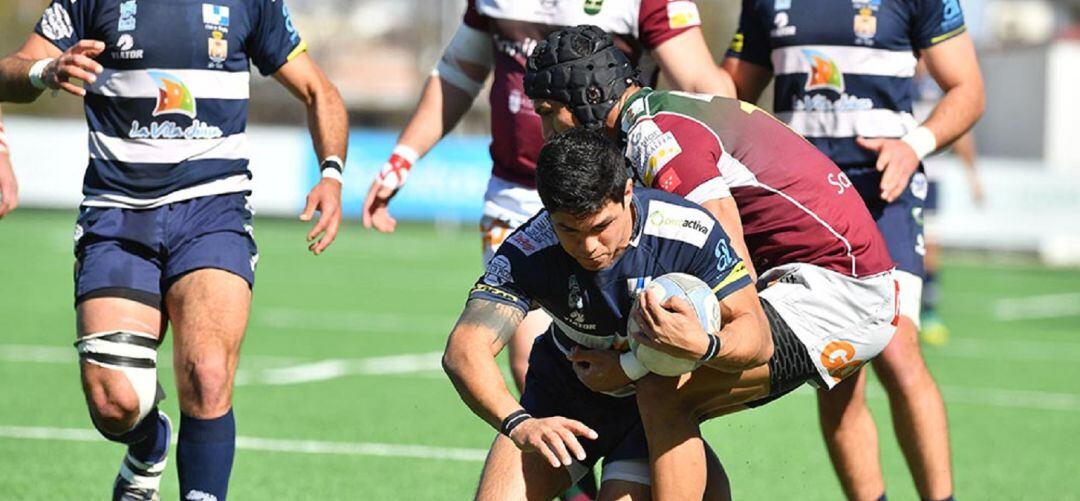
(138, 253)
(553, 389)
(900, 222)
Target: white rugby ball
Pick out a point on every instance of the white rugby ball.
(692, 290)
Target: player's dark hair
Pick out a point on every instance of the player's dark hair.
(579, 171)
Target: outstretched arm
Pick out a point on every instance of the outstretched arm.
(329, 127)
(481, 332)
(688, 65)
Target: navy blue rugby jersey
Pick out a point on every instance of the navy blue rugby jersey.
(844, 67)
(590, 308)
(167, 118)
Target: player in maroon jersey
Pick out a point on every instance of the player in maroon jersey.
(823, 265)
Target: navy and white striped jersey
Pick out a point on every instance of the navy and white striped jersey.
(844, 67)
(590, 308)
(167, 118)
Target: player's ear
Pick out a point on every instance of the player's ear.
(628, 192)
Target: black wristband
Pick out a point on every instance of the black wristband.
(513, 420)
(332, 163)
(714, 348)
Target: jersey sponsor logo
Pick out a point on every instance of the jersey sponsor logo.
(125, 48)
(173, 98)
(736, 273)
(56, 23)
(592, 7)
(173, 95)
(782, 4)
(294, 36)
(535, 236)
(725, 256)
(920, 187)
(499, 293)
(215, 17)
(498, 272)
(661, 152)
(575, 300)
(127, 21)
(824, 74)
(838, 358)
(840, 181)
(951, 15)
(674, 222)
(782, 29)
(682, 14)
(650, 149)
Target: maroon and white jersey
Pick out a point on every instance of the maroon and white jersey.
(516, 26)
(795, 204)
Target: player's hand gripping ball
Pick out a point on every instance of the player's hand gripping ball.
(695, 292)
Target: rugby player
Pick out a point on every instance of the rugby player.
(164, 233)
(823, 266)
(584, 260)
(9, 186)
(496, 36)
(843, 72)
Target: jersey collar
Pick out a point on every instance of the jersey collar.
(635, 106)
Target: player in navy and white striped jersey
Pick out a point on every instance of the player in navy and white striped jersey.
(164, 234)
(843, 71)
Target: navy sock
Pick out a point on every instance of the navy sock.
(153, 443)
(950, 498)
(930, 292)
(205, 455)
(883, 497)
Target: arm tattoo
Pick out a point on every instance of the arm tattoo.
(501, 319)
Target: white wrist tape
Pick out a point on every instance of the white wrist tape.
(470, 46)
(334, 174)
(632, 366)
(921, 140)
(37, 73)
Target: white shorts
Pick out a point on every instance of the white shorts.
(911, 286)
(843, 321)
(506, 206)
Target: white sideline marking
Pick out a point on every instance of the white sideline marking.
(336, 368)
(274, 445)
(353, 321)
(1046, 306)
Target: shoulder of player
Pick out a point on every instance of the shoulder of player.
(536, 235)
(673, 220)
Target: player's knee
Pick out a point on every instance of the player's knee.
(120, 378)
(113, 410)
(205, 386)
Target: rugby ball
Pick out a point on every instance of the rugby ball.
(692, 290)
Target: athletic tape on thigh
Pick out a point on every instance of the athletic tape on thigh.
(132, 353)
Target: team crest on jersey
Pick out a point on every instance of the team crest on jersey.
(823, 72)
(125, 48)
(682, 14)
(865, 24)
(173, 95)
(218, 49)
(592, 7)
(675, 222)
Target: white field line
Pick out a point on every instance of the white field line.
(337, 368)
(273, 445)
(1047, 306)
(353, 321)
